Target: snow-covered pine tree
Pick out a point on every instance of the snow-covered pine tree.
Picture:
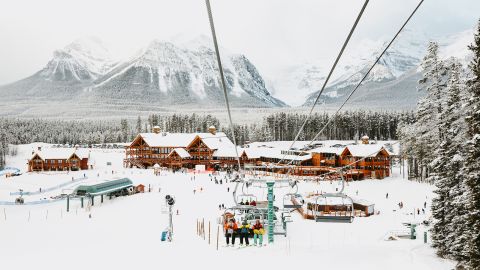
(453, 125)
(138, 127)
(429, 109)
(472, 150)
(447, 210)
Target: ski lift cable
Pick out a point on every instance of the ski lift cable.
(222, 78)
(364, 77)
(332, 69)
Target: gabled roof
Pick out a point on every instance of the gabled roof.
(365, 150)
(181, 152)
(55, 153)
(165, 139)
(60, 153)
(183, 140)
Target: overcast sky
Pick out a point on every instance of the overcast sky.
(272, 33)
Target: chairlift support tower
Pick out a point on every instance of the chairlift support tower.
(270, 211)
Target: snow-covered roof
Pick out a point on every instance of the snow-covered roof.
(330, 150)
(227, 152)
(55, 153)
(252, 152)
(362, 201)
(166, 139)
(181, 152)
(365, 150)
(216, 141)
(274, 150)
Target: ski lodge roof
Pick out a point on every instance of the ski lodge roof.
(181, 152)
(329, 150)
(182, 140)
(275, 150)
(166, 139)
(365, 150)
(60, 153)
(227, 152)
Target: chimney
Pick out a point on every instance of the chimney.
(212, 130)
(365, 139)
(156, 129)
(39, 148)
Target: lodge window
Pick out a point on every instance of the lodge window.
(60, 161)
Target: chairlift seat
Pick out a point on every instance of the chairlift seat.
(336, 219)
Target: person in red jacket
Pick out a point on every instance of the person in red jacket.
(258, 233)
(230, 231)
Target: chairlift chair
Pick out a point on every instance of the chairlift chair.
(288, 199)
(347, 203)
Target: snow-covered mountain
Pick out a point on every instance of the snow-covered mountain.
(170, 74)
(162, 74)
(82, 60)
(70, 69)
(395, 75)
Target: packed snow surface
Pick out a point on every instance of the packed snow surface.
(125, 233)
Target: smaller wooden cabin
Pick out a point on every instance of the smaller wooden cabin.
(58, 159)
(367, 207)
(140, 188)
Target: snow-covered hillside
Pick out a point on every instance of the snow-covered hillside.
(125, 232)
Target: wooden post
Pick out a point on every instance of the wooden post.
(203, 228)
(218, 234)
(68, 203)
(28, 215)
(4, 214)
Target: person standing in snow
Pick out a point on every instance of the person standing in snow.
(244, 232)
(386, 196)
(230, 231)
(258, 233)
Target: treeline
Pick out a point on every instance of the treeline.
(278, 126)
(442, 146)
(344, 126)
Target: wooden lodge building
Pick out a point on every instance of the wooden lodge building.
(177, 150)
(215, 151)
(365, 160)
(58, 159)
